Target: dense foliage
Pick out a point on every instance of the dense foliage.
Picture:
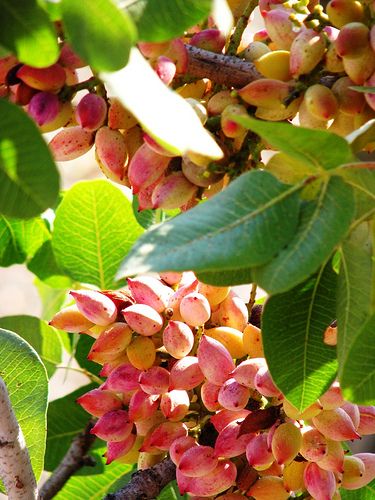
(231, 156)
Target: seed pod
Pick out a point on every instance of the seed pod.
(279, 27)
(175, 404)
(230, 338)
(352, 40)
(195, 309)
(179, 446)
(71, 320)
(332, 61)
(336, 425)
(198, 461)
(153, 49)
(209, 39)
(360, 68)
(165, 68)
(142, 405)
(163, 436)
(245, 372)
(49, 79)
(120, 449)
(218, 480)
(173, 191)
(321, 102)
(177, 52)
(91, 111)
(264, 384)
(146, 167)
(215, 361)
(147, 460)
(233, 396)
(258, 454)
(197, 175)
(113, 426)
(286, 443)
(219, 101)
(175, 300)
(255, 50)
(98, 402)
(306, 52)
(69, 58)
(143, 319)
(61, 119)
(43, 107)
(111, 154)
(155, 380)
(141, 353)
(209, 396)
(110, 343)
(214, 294)
(310, 412)
(252, 341)
(275, 64)
(266, 92)
(369, 474)
(231, 312)
(95, 306)
(186, 374)
(171, 277)
(332, 398)
(178, 339)
(6, 64)
(279, 112)
(123, 378)
(354, 469)
(321, 484)
(145, 426)
(118, 116)
(293, 476)
(367, 420)
(71, 143)
(229, 127)
(353, 411)
(268, 487)
(314, 445)
(349, 101)
(341, 12)
(150, 291)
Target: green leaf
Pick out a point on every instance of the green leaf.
(65, 420)
(293, 324)
(26, 30)
(20, 239)
(171, 492)
(101, 33)
(26, 380)
(29, 181)
(358, 373)
(161, 20)
(361, 176)
(316, 148)
(365, 493)
(363, 89)
(96, 486)
(143, 93)
(145, 218)
(356, 290)
(45, 267)
(52, 299)
(323, 223)
(287, 169)
(42, 337)
(226, 278)
(82, 349)
(93, 230)
(243, 226)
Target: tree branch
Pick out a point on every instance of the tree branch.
(75, 458)
(147, 484)
(220, 68)
(15, 466)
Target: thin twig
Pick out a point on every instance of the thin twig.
(252, 298)
(75, 458)
(235, 39)
(15, 466)
(147, 484)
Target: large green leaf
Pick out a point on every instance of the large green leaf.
(356, 290)
(226, 278)
(358, 373)
(94, 229)
(26, 30)
(361, 176)
(65, 420)
(143, 93)
(44, 266)
(293, 324)
(26, 380)
(42, 337)
(100, 32)
(160, 20)
(316, 148)
(323, 223)
(243, 226)
(20, 239)
(171, 492)
(29, 181)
